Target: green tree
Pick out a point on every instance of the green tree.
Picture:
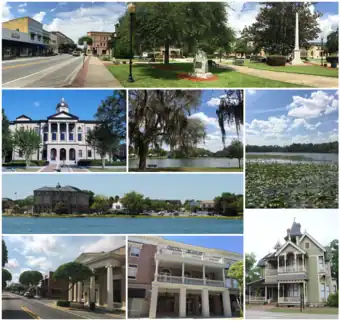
(30, 278)
(230, 111)
(253, 272)
(6, 277)
(26, 141)
(7, 141)
(88, 40)
(91, 196)
(235, 150)
(60, 208)
(4, 254)
(160, 116)
(101, 204)
(116, 198)
(242, 47)
(133, 202)
(274, 29)
(332, 44)
(236, 272)
(334, 248)
(73, 272)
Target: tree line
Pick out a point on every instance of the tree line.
(331, 147)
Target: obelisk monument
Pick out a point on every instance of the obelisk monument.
(297, 60)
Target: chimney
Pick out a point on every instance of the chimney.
(288, 233)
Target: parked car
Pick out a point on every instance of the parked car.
(29, 295)
(76, 53)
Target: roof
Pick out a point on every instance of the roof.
(262, 261)
(313, 240)
(295, 230)
(65, 113)
(23, 116)
(293, 245)
(59, 188)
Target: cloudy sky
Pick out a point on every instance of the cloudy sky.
(283, 117)
(45, 253)
(76, 18)
(263, 228)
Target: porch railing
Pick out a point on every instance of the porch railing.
(190, 281)
(291, 268)
(289, 299)
(252, 298)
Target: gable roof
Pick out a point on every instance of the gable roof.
(24, 116)
(262, 261)
(66, 188)
(67, 116)
(293, 245)
(313, 240)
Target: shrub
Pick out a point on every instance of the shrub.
(92, 306)
(333, 300)
(63, 303)
(20, 163)
(106, 58)
(333, 60)
(276, 60)
(98, 162)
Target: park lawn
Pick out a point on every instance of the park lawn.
(324, 310)
(189, 169)
(146, 76)
(106, 170)
(308, 69)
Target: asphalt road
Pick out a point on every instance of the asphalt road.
(256, 314)
(18, 307)
(54, 72)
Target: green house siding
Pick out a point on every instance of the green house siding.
(313, 294)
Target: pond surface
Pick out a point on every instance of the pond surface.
(114, 225)
(189, 162)
(295, 157)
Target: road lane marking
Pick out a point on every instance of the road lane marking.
(32, 314)
(53, 68)
(67, 311)
(24, 65)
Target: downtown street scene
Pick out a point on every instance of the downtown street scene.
(64, 277)
(170, 45)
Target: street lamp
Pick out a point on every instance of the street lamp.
(131, 10)
(322, 52)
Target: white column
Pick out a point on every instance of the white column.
(205, 303)
(109, 287)
(278, 263)
(156, 270)
(303, 261)
(92, 289)
(223, 277)
(204, 280)
(226, 303)
(265, 293)
(123, 289)
(75, 292)
(80, 291)
(58, 132)
(49, 136)
(182, 302)
(295, 262)
(278, 292)
(182, 272)
(76, 132)
(153, 302)
(70, 295)
(285, 259)
(67, 132)
(297, 59)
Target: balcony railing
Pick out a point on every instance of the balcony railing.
(291, 268)
(183, 254)
(289, 299)
(190, 281)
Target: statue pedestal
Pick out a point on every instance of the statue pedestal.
(297, 60)
(202, 75)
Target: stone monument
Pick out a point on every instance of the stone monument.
(201, 68)
(297, 60)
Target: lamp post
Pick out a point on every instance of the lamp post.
(131, 10)
(322, 52)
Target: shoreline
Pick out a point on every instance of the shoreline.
(239, 217)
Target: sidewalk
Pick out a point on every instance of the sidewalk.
(293, 78)
(98, 76)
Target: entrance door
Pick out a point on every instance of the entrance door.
(53, 154)
(190, 306)
(63, 154)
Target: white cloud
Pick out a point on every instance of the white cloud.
(12, 264)
(251, 91)
(39, 262)
(205, 119)
(274, 125)
(105, 244)
(274, 224)
(22, 5)
(22, 10)
(302, 122)
(39, 16)
(6, 12)
(36, 103)
(214, 102)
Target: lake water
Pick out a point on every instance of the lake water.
(113, 225)
(316, 157)
(188, 162)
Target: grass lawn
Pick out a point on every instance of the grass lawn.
(27, 169)
(308, 69)
(189, 169)
(106, 170)
(146, 76)
(324, 310)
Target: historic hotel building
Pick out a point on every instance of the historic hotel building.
(63, 137)
(172, 279)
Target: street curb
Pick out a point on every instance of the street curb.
(78, 80)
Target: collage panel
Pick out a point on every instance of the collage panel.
(64, 277)
(292, 262)
(51, 131)
(185, 277)
(122, 204)
(292, 148)
(170, 45)
(186, 130)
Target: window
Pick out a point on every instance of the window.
(32, 36)
(136, 293)
(45, 137)
(80, 153)
(322, 291)
(70, 136)
(307, 245)
(89, 153)
(79, 137)
(228, 282)
(321, 266)
(21, 153)
(134, 251)
(327, 291)
(54, 136)
(62, 136)
(132, 271)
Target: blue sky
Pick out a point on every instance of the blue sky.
(39, 104)
(283, 117)
(226, 243)
(76, 18)
(163, 186)
(45, 253)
